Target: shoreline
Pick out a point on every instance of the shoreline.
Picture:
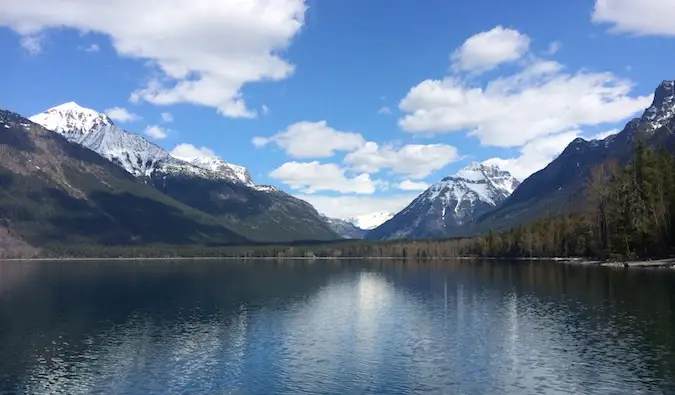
(656, 263)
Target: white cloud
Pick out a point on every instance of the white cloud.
(189, 152)
(156, 132)
(641, 17)
(535, 155)
(407, 185)
(486, 50)
(539, 100)
(384, 110)
(265, 110)
(311, 177)
(604, 135)
(554, 47)
(92, 48)
(167, 117)
(352, 206)
(31, 43)
(312, 140)
(182, 39)
(413, 160)
(120, 114)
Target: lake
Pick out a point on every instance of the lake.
(334, 327)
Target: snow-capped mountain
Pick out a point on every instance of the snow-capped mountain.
(663, 107)
(370, 221)
(445, 206)
(136, 154)
(71, 120)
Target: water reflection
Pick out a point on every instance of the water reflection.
(334, 327)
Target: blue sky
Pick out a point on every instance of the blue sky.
(352, 105)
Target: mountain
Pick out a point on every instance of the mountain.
(71, 120)
(55, 192)
(559, 187)
(261, 213)
(133, 152)
(370, 221)
(345, 229)
(444, 207)
(209, 184)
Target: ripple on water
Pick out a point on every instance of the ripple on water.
(335, 329)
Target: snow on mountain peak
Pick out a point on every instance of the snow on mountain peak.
(370, 221)
(71, 120)
(475, 182)
(663, 106)
(133, 152)
(225, 170)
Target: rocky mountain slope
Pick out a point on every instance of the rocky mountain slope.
(209, 184)
(345, 229)
(53, 191)
(558, 187)
(133, 152)
(444, 207)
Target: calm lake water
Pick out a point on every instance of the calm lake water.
(334, 327)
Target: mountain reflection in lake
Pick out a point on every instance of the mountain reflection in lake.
(334, 327)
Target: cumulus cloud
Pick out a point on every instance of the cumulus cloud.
(120, 114)
(31, 44)
(640, 17)
(413, 160)
(539, 100)
(407, 185)
(311, 177)
(167, 117)
(312, 140)
(487, 50)
(92, 48)
(352, 206)
(189, 152)
(189, 43)
(535, 155)
(156, 132)
(384, 110)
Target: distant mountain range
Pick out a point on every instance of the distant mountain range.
(70, 175)
(370, 221)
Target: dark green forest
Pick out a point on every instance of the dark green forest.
(626, 213)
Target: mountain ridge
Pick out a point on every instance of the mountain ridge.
(133, 152)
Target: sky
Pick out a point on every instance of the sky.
(355, 106)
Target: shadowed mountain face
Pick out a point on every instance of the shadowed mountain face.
(53, 191)
(261, 213)
(559, 187)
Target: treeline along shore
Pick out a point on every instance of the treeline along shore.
(626, 213)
